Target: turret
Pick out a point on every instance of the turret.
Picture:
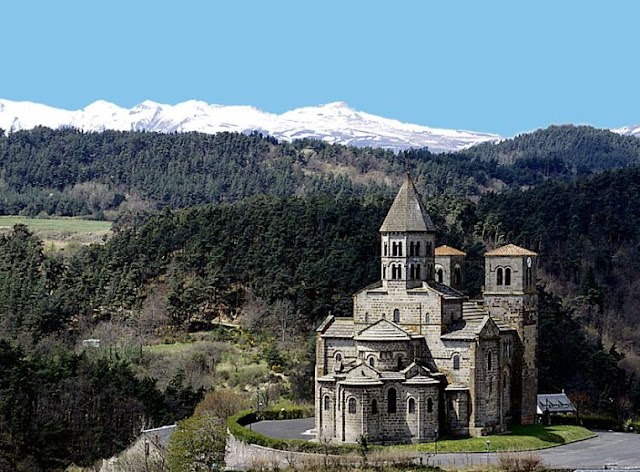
(407, 239)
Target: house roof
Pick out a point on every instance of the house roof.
(445, 250)
(407, 213)
(555, 403)
(160, 436)
(383, 330)
(337, 328)
(509, 250)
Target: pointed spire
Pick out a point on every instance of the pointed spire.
(407, 212)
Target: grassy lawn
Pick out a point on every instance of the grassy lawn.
(59, 232)
(71, 225)
(519, 438)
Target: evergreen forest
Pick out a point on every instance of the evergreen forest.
(273, 237)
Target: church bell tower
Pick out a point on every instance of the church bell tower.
(407, 239)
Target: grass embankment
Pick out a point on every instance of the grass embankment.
(518, 438)
(59, 232)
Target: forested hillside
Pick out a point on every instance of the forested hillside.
(67, 172)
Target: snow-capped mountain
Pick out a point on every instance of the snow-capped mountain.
(334, 123)
(633, 130)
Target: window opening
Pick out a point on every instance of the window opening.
(391, 400)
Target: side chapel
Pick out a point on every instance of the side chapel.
(417, 358)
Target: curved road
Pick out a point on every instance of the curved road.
(621, 449)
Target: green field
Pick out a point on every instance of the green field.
(518, 438)
(59, 232)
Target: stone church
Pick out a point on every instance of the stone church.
(418, 359)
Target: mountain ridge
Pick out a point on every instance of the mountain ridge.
(334, 123)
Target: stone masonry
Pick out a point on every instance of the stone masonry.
(417, 358)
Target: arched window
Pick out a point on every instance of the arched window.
(411, 249)
(429, 405)
(400, 248)
(400, 271)
(374, 407)
(456, 362)
(394, 248)
(507, 276)
(384, 271)
(489, 360)
(439, 274)
(385, 249)
(393, 271)
(399, 362)
(352, 405)
(411, 406)
(366, 316)
(418, 271)
(412, 272)
(327, 402)
(457, 275)
(338, 356)
(428, 248)
(499, 276)
(372, 361)
(418, 249)
(426, 318)
(396, 316)
(391, 400)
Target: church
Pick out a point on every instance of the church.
(417, 359)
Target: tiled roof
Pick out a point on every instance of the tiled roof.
(445, 250)
(407, 213)
(510, 250)
(445, 290)
(339, 328)
(383, 330)
(421, 380)
(160, 436)
(555, 403)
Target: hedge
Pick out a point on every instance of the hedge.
(238, 422)
(588, 421)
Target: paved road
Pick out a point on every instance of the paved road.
(622, 449)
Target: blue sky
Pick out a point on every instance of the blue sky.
(497, 66)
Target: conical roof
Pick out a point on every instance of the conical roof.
(407, 212)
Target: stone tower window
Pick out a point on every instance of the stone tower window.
(428, 248)
(384, 271)
(411, 249)
(385, 249)
(366, 317)
(411, 406)
(399, 362)
(418, 271)
(457, 275)
(412, 272)
(456, 362)
(396, 316)
(391, 400)
(507, 276)
(372, 361)
(499, 276)
(338, 357)
(400, 248)
(418, 249)
(352, 406)
(429, 405)
(374, 407)
(439, 274)
(489, 360)
(327, 402)
(394, 248)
